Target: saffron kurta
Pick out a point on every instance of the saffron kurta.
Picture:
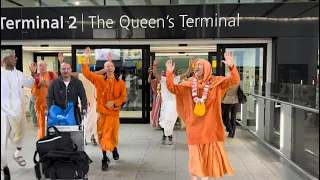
(206, 134)
(108, 123)
(41, 102)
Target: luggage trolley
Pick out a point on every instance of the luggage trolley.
(77, 133)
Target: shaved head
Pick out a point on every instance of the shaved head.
(39, 63)
(109, 68)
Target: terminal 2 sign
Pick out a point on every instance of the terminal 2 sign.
(125, 22)
(145, 22)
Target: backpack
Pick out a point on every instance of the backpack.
(63, 165)
(54, 142)
(37, 77)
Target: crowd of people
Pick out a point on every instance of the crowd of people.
(202, 103)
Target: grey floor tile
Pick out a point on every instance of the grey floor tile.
(182, 176)
(142, 156)
(258, 168)
(156, 175)
(266, 177)
(283, 171)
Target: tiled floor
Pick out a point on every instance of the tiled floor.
(143, 157)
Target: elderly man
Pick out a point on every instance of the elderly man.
(13, 118)
(40, 91)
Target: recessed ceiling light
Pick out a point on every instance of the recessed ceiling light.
(77, 3)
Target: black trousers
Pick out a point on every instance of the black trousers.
(230, 123)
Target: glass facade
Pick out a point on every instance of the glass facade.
(36, 3)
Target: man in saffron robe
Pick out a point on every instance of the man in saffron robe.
(111, 95)
(13, 117)
(199, 105)
(40, 91)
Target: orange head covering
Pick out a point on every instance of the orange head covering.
(182, 99)
(207, 76)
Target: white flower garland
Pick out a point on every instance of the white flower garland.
(195, 97)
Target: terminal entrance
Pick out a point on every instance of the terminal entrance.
(132, 63)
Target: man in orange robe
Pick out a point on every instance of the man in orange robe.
(40, 91)
(199, 105)
(111, 95)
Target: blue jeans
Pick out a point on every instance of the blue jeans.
(32, 113)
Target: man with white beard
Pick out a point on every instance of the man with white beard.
(13, 118)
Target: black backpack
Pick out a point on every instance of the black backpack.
(64, 165)
(54, 142)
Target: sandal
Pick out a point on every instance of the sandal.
(94, 142)
(20, 160)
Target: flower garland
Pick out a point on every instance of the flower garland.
(195, 97)
(158, 89)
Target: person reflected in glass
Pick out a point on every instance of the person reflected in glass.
(168, 112)
(131, 85)
(198, 102)
(156, 99)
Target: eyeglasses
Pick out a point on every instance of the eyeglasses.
(66, 69)
(42, 65)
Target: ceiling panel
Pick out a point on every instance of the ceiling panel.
(28, 3)
(54, 3)
(112, 3)
(160, 2)
(314, 12)
(73, 2)
(289, 10)
(251, 10)
(5, 3)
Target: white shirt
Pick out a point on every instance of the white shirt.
(16, 90)
(165, 93)
(66, 83)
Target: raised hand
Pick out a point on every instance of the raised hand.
(192, 61)
(60, 57)
(33, 67)
(87, 54)
(109, 56)
(229, 61)
(156, 62)
(170, 66)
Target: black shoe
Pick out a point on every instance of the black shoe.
(6, 173)
(105, 163)
(170, 140)
(231, 134)
(115, 154)
(163, 139)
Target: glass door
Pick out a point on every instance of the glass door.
(131, 65)
(250, 60)
(16, 51)
(52, 60)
